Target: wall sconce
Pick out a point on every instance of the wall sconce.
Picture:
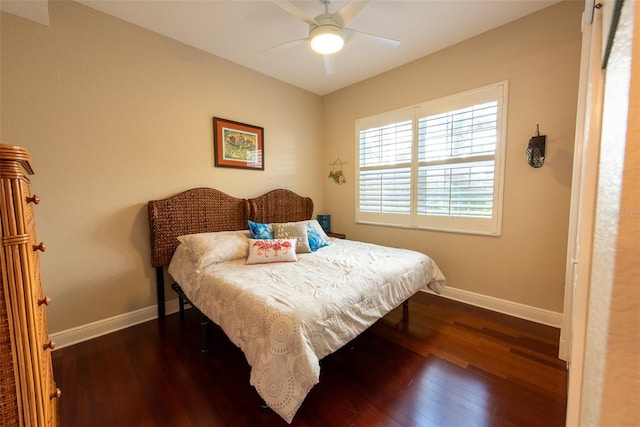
(535, 149)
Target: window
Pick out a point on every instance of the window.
(437, 165)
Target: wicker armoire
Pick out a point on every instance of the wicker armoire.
(28, 392)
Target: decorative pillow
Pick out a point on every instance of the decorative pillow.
(316, 241)
(316, 225)
(210, 248)
(260, 231)
(293, 230)
(272, 250)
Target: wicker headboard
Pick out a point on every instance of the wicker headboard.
(199, 210)
(280, 206)
(202, 210)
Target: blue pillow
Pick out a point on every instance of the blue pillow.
(316, 241)
(260, 231)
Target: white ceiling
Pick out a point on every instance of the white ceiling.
(239, 30)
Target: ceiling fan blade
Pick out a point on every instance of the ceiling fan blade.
(295, 11)
(330, 64)
(349, 10)
(354, 36)
(283, 46)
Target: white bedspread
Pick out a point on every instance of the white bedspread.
(287, 316)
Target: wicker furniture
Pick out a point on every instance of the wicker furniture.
(28, 393)
(284, 316)
(204, 210)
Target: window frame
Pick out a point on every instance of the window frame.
(456, 224)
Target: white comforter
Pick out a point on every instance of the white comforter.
(287, 316)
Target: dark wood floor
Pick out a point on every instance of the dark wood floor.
(450, 365)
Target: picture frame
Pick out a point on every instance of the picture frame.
(237, 145)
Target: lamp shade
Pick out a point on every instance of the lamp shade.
(326, 39)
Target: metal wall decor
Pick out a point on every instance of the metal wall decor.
(336, 171)
(536, 148)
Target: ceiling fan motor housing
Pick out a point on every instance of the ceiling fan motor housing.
(328, 36)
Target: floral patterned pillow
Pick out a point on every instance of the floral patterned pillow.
(316, 241)
(260, 231)
(263, 251)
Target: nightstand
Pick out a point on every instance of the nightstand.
(337, 235)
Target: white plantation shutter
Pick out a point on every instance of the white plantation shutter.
(386, 191)
(464, 190)
(436, 165)
(468, 132)
(385, 165)
(466, 140)
(385, 150)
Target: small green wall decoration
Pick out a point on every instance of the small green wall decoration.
(336, 171)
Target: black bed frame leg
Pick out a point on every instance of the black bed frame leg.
(204, 330)
(182, 300)
(181, 304)
(405, 311)
(160, 290)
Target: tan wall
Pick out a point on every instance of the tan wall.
(539, 55)
(114, 116)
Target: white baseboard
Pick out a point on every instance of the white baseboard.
(111, 324)
(115, 323)
(527, 312)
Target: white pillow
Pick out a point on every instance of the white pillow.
(211, 248)
(271, 250)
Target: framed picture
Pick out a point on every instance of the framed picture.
(238, 145)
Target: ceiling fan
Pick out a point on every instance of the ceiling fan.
(328, 32)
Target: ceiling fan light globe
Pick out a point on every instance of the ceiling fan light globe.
(326, 39)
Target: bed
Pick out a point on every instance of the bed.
(287, 315)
